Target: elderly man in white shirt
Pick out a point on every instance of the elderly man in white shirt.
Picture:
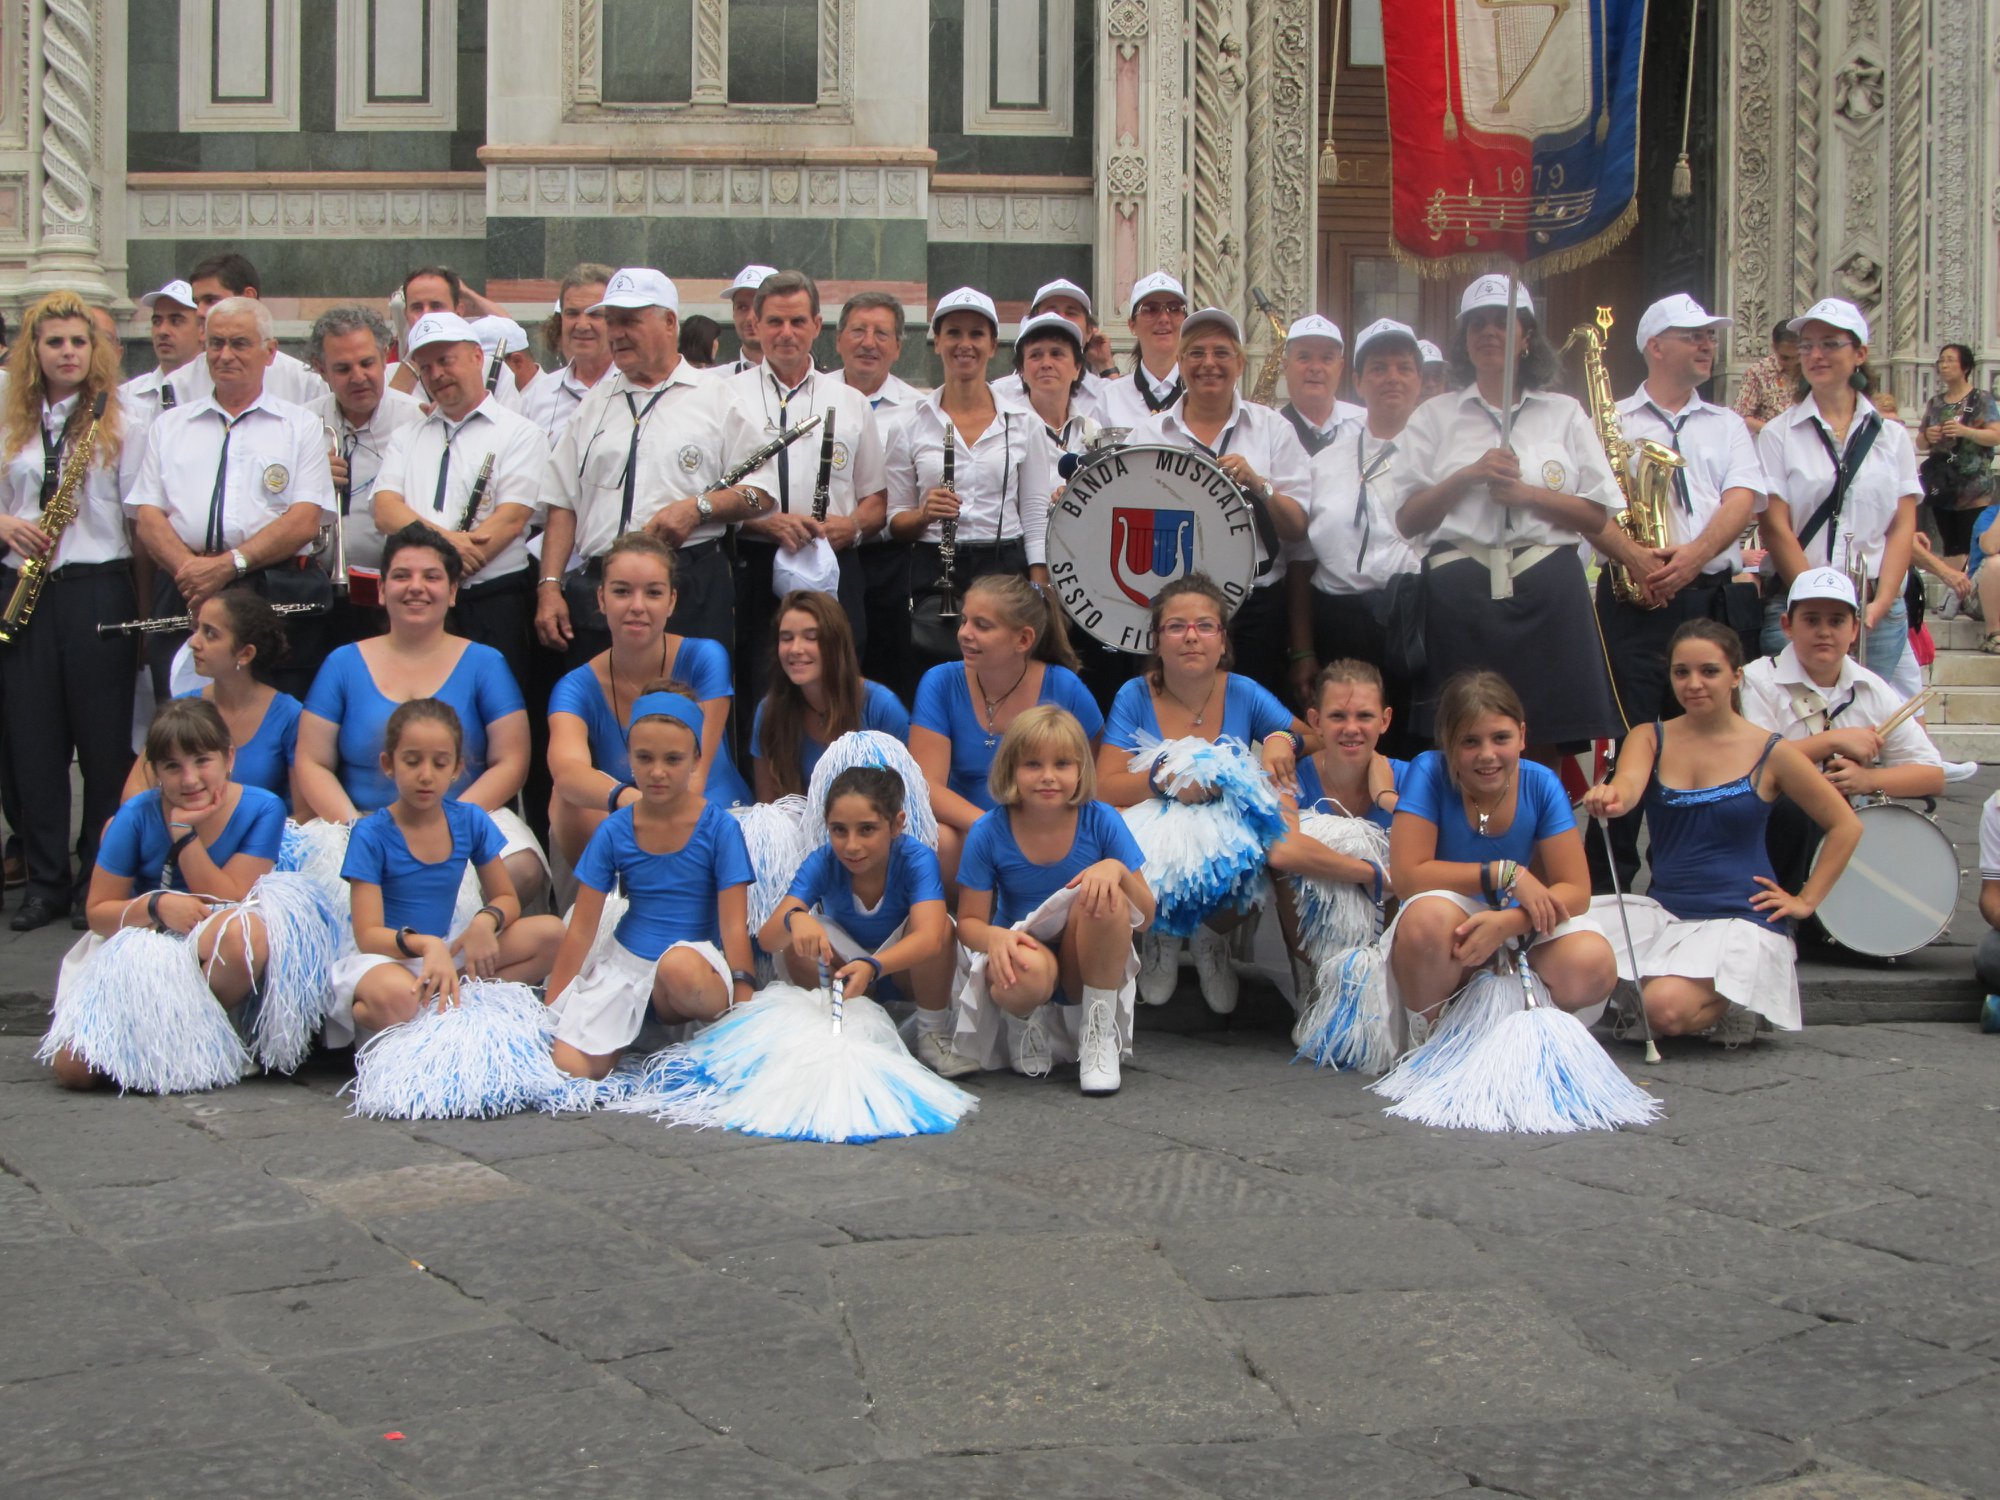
(1315, 359)
(577, 334)
(231, 275)
(649, 447)
(234, 486)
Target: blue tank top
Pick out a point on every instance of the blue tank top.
(1708, 844)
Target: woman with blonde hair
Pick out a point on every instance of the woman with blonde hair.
(68, 691)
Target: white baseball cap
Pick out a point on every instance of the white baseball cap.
(1677, 311)
(498, 335)
(1313, 326)
(1822, 583)
(440, 328)
(1159, 281)
(750, 278)
(1836, 311)
(639, 286)
(1054, 323)
(1062, 287)
(967, 299)
(1385, 328)
(1216, 317)
(1491, 291)
(1432, 355)
(173, 291)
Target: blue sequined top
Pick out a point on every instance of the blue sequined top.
(1708, 843)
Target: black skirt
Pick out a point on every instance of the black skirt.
(1543, 641)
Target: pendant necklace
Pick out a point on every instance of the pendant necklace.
(993, 704)
(1486, 817)
(1199, 718)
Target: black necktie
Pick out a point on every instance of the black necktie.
(51, 460)
(632, 455)
(1156, 403)
(168, 400)
(1310, 437)
(785, 458)
(1364, 516)
(444, 469)
(218, 497)
(1674, 426)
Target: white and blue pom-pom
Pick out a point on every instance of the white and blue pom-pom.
(1204, 858)
(1348, 1026)
(1471, 1016)
(871, 747)
(1338, 914)
(488, 1055)
(778, 846)
(672, 1080)
(316, 850)
(140, 1012)
(303, 933)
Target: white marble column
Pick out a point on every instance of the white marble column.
(75, 136)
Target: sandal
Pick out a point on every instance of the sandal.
(1991, 645)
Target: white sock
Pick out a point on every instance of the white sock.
(1092, 994)
(933, 1022)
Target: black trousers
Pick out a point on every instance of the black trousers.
(882, 633)
(500, 613)
(69, 695)
(1352, 625)
(757, 620)
(704, 605)
(305, 635)
(973, 560)
(1258, 634)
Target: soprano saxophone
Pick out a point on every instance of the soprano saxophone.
(55, 520)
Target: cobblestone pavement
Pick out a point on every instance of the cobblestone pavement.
(1237, 1278)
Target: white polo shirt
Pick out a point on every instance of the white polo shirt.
(859, 467)
(1721, 455)
(1351, 536)
(552, 400)
(276, 459)
(521, 474)
(689, 432)
(99, 533)
(1120, 403)
(1003, 480)
(1552, 438)
(1799, 472)
(366, 447)
(1266, 441)
(1780, 697)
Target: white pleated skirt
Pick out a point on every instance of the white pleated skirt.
(1470, 905)
(979, 1027)
(604, 1007)
(1751, 964)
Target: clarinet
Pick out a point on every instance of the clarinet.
(948, 533)
(825, 468)
(478, 494)
(161, 624)
(736, 475)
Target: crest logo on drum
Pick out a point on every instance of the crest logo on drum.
(1150, 544)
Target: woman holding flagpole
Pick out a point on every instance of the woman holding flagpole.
(1499, 478)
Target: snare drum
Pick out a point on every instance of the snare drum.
(1899, 890)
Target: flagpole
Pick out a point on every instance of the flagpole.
(1513, 359)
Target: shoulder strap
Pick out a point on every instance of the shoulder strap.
(1844, 467)
(1758, 769)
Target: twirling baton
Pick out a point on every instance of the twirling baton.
(1631, 951)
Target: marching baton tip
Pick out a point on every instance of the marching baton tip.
(1652, 1053)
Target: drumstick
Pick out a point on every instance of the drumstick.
(1908, 711)
(1631, 951)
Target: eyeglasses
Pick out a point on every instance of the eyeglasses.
(1208, 630)
(1824, 346)
(1693, 335)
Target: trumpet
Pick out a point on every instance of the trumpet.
(1857, 575)
(163, 624)
(332, 541)
(948, 533)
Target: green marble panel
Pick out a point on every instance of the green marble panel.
(648, 51)
(773, 51)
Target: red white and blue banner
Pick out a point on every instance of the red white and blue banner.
(1514, 130)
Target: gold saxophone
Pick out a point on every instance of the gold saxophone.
(1648, 486)
(1265, 391)
(56, 518)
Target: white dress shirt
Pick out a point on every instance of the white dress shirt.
(1344, 414)
(287, 378)
(1003, 480)
(1552, 438)
(276, 459)
(1799, 472)
(521, 473)
(366, 447)
(99, 533)
(1266, 441)
(689, 432)
(892, 401)
(144, 397)
(1087, 402)
(769, 406)
(1721, 455)
(553, 399)
(1351, 536)
(1779, 696)
(1120, 404)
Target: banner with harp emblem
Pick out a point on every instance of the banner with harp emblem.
(1513, 129)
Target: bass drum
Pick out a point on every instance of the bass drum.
(1898, 892)
(1132, 521)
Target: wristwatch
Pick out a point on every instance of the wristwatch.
(704, 507)
(242, 563)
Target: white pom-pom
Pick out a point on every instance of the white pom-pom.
(1471, 1016)
(1204, 858)
(302, 932)
(488, 1055)
(1348, 1025)
(139, 1011)
(778, 846)
(871, 747)
(1337, 914)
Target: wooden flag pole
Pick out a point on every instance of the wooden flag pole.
(1513, 360)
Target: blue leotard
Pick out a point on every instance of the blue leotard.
(880, 709)
(992, 860)
(265, 759)
(416, 894)
(704, 666)
(672, 895)
(135, 844)
(1249, 713)
(1312, 791)
(913, 876)
(944, 706)
(1542, 810)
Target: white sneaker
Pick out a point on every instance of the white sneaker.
(1218, 976)
(1159, 967)
(1960, 770)
(935, 1051)
(1097, 1051)
(1028, 1046)
(1738, 1028)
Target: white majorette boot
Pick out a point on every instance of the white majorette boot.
(1159, 967)
(1028, 1045)
(1218, 976)
(1097, 1048)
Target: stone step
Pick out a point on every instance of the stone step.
(1960, 634)
(1965, 669)
(1980, 742)
(1964, 706)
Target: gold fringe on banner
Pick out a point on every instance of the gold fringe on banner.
(1479, 262)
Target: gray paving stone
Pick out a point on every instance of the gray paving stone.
(820, 1180)
(1097, 1318)
(714, 1471)
(791, 1394)
(245, 1470)
(100, 1415)
(1344, 1363)
(355, 1148)
(1670, 1330)
(1515, 1204)
(1609, 1453)
(1949, 1440)
(1830, 1375)
(982, 1208)
(382, 1195)
(339, 1316)
(509, 1137)
(202, 1202)
(1785, 1197)
(56, 1264)
(1935, 1229)
(27, 1217)
(606, 1167)
(513, 1447)
(387, 1386)
(118, 1323)
(1396, 1157)
(646, 1317)
(1643, 1165)
(1347, 1465)
(1844, 1483)
(1294, 1257)
(1075, 1474)
(1938, 1304)
(523, 1248)
(701, 1218)
(1176, 1186)
(132, 1143)
(201, 1266)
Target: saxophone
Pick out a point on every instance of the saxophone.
(56, 517)
(1265, 391)
(1647, 486)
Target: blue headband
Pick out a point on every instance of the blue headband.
(672, 705)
